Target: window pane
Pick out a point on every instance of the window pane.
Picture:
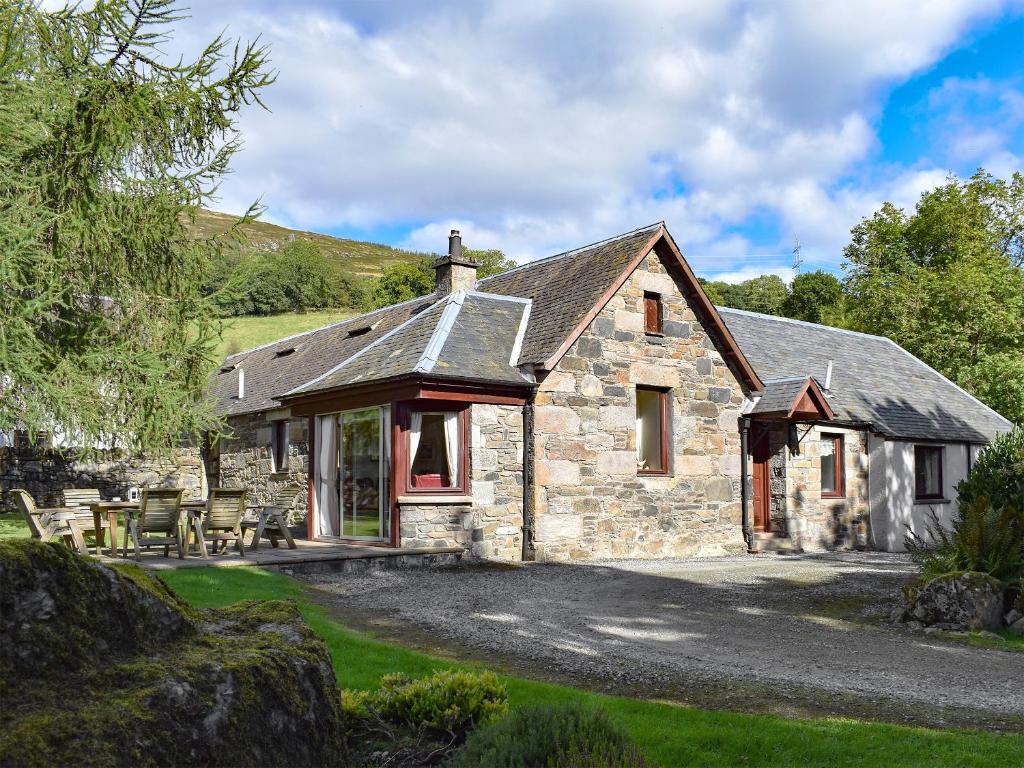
(361, 473)
(828, 466)
(434, 451)
(928, 471)
(649, 430)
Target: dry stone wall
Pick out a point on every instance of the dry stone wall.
(46, 472)
(589, 500)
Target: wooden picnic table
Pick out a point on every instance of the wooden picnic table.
(193, 508)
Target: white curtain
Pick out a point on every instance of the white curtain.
(639, 434)
(327, 475)
(451, 444)
(415, 427)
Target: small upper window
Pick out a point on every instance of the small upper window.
(652, 312)
(279, 445)
(927, 472)
(651, 431)
(832, 466)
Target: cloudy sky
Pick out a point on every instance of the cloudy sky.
(539, 125)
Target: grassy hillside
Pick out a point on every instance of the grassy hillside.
(241, 333)
(362, 259)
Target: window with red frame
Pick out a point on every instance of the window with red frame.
(435, 450)
(832, 480)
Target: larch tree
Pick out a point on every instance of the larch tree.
(106, 147)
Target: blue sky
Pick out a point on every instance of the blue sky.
(539, 125)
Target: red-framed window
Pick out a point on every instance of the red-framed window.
(928, 472)
(279, 445)
(652, 313)
(833, 462)
(433, 448)
(652, 431)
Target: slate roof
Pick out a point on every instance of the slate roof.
(565, 287)
(779, 394)
(464, 336)
(270, 370)
(554, 294)
(875, 382)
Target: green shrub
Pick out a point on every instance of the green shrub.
(998, 475)
(562, 736)
(987, 533)
(983, 538)
(447, 702)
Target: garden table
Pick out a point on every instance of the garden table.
(110, 509)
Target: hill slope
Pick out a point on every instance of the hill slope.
(361, 258)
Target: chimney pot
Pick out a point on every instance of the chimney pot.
(455, 272)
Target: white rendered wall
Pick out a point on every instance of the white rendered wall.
(893, 507)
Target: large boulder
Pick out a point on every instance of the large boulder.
(106, 666)
(959, 602)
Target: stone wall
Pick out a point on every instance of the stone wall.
(589, 500)
(490, 525)
(45, 472)
(244, 460)
(817, 523)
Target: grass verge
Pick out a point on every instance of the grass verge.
(670, 735)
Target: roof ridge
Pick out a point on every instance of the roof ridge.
(325, 327)
(766, 316)
(564, 254)
(368, 347)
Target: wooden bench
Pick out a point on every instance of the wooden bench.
(44, 524)
(272, 520)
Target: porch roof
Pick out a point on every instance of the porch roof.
(798, 398)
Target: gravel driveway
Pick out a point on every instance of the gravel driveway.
(650, 625)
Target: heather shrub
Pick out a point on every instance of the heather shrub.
(551, 736)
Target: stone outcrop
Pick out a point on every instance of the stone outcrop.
(967, 601)
(105, 666)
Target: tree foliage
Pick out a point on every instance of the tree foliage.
(409, 279)
(765, 294)
(946, 282)
(296, 278)
(106, 146)
(816, 297)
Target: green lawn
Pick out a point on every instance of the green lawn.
(242, 333)
(13, 526)
(670, 735)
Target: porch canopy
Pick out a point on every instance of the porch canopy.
(792, 399)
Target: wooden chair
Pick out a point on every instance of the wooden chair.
(160, 515)
(44, 524)
(272, 520)
(223, 519)
(81, 501)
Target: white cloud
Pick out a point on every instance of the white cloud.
(747, 273)
(538, 125)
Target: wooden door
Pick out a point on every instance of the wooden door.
(760, 453)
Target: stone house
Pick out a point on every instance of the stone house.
(594, 404)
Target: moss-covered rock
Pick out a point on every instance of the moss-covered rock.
(106, 666)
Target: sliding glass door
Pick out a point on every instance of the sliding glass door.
(354, 451)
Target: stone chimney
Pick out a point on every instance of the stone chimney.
(455, 272)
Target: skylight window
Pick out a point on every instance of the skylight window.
(284, 352)
(359, 331)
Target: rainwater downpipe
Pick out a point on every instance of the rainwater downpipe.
(528, 421)
(748, 531)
